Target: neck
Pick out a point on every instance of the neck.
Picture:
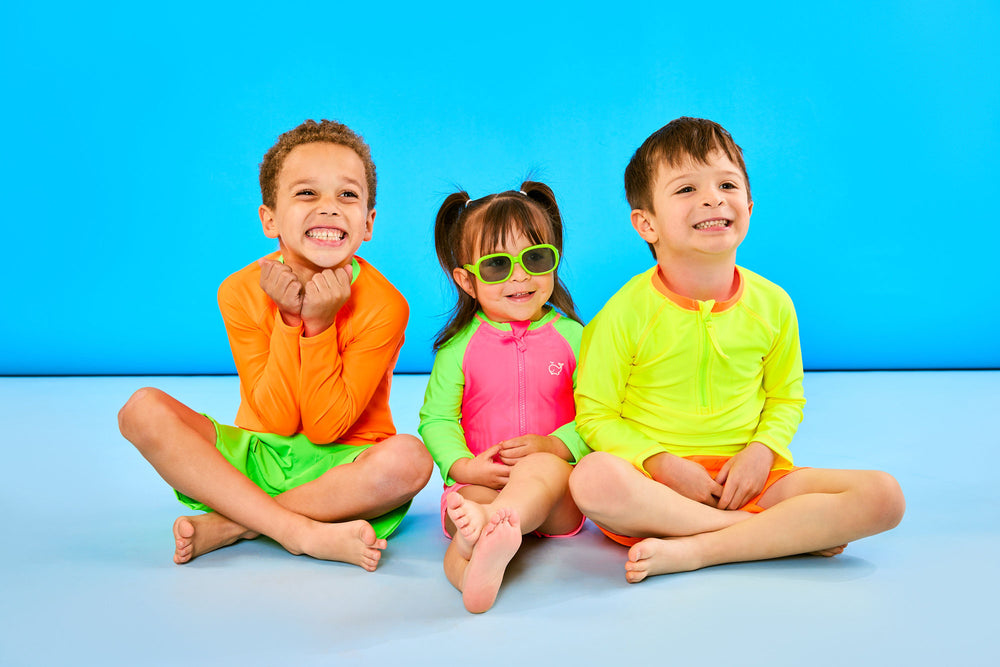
(703, 280)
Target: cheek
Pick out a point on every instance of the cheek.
(486, 292)
(545, 285)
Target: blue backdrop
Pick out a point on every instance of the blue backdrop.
(132, 135)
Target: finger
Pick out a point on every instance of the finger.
(345, 273)
(491, 452)
(725, 498)
(724, 472)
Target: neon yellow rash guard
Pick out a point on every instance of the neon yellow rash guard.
(662, 373)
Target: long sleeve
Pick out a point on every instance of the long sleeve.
(607, 353)
(342, 368)
(333, 387)
(572, 332)
(440, 416)
(266, 354)
(782, 383)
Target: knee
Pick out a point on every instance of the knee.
(544, 463)
(597, 481)
(885, 498)
(405, 461)
(139, 411)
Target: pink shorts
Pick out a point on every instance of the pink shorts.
(448, 490)
(713, 464)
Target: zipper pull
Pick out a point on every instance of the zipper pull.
(519, 329)
(705, 307)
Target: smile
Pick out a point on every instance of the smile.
(713, 224)
(326, 234)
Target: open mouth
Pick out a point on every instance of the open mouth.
(326, 234)
(520, 295)
(717, 223)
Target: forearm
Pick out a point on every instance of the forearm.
(269, 368)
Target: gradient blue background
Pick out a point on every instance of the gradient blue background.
(131, 137)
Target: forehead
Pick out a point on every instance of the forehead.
(716, 164)
(506, 225)
(322, 160)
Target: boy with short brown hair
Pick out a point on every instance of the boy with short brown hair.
(690, 386)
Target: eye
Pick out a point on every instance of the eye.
(349, 193)
(305, 193)
(498, 262)
(729, 186)
(684, 190)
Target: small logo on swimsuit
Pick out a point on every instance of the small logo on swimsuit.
(555, 368)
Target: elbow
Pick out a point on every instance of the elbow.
(320, 436)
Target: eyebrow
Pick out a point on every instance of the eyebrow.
(310, 181)
(729, 174)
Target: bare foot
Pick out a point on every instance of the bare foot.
(197, 535)
(827, 553)
(497, 544)
(655, 556)
(351, 542)
(469, 518)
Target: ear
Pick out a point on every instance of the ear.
(644, 226)
(267, 222)
(750, 207)
(465, 280)
(370, 225)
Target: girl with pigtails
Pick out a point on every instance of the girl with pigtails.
(498, 415)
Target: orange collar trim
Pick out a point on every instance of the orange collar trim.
(692, 304)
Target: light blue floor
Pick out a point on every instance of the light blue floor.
(86, 572)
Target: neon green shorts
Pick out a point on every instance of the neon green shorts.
(277, 463)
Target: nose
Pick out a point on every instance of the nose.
(518, 272)
(327, 205)
(713, 198)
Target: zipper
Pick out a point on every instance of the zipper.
(519, 329)
(708, 341)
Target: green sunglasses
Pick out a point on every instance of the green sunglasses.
(498, 267)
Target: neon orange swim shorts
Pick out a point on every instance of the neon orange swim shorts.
(713, 464)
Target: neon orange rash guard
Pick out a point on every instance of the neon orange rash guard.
(332, 387)
(661, 373)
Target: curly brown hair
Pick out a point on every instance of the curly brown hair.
(329, 131)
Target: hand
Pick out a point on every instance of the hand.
(325, 294)
(282, 286)
(744, 475)
(481, 470)
(515, 449)
(685, 477)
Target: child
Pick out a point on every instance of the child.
(498, 412)
(690, 386)
(315, 332)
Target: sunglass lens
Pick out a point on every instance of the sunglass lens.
(539, 260)
(494, 269)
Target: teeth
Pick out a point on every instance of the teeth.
(326, 234)
(712, 224)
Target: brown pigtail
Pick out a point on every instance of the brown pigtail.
(542, 195)
(448, 244)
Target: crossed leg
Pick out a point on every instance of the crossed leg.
(180, 444)
(808, 511)
(487, 525)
